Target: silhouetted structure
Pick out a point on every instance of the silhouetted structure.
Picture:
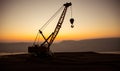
(44, 48)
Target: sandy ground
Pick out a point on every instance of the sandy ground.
(71, 61)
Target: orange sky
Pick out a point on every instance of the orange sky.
(20, 20)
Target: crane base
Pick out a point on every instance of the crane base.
(39, 51)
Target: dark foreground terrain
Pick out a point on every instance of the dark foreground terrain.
(70, 61)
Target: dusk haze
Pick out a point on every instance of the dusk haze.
(20, 20)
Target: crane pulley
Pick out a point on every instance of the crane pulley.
(44, 48)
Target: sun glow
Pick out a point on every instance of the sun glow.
(60, 37)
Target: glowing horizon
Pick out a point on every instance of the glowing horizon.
(27, 38)
(21, 20)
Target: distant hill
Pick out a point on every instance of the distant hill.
(102, 44)
(14, 47)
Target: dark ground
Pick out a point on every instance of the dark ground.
(70, 61)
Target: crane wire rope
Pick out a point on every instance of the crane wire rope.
(35, 38)
(72, 19)
(71, 11)
(45, 25)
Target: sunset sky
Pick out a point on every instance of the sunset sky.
(20, 20)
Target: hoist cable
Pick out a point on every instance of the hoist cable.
(38, 39)
(71, 11)
(43, 27)
(35, 38)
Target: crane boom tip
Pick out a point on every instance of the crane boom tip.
(67, 4)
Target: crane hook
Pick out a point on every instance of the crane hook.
(72, 21)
